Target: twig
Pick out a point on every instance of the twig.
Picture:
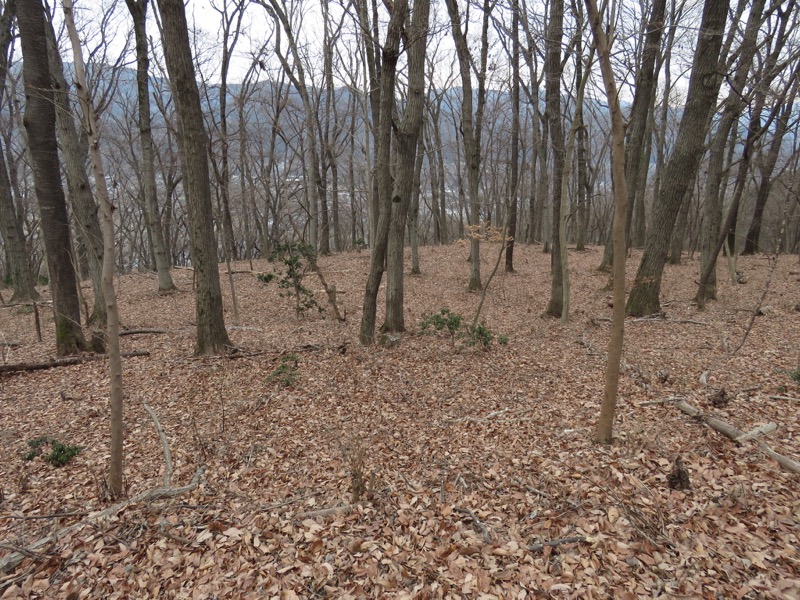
(554, 543)
(327, 512)
(164, 444)
(487, 537)
(785, 398)
(138, 331)
(81, 513)
(670, 400)
(531, 489)
(269, 507)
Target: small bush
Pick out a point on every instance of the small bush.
(60, 454)
(444, 319)
(795, 375)
(502, 339)
(286, 373)
(480, 334)
(295, 259)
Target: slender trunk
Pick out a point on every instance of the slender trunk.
(115, 477)
(138, 10)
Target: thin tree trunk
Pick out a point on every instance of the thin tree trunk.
(115, 477)
(138, 10)
(514, 158)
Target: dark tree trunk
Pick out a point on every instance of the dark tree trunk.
(514, 158)
(682, 167)
(40, 124)
(19, 268)
(211, 334)
(553, 70)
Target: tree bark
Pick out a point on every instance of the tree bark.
(605, 423)
(407, 136)
(554, 70)
(682, 167)
(211, 334)
(115, 478)
(514, 158)
(75, 153)
(138, 10)
(40, 124)
(22, 281)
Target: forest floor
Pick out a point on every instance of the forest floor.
(465, 458)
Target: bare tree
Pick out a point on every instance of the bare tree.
(193, 141)
(115, 478)
(472, 125)
(606, 421)
(20, 269)
(40, 124)
(704, 84)
(138, 10)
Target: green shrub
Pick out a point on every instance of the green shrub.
(502, 339)
(286, 373)
(294, 258)
(444, 319)
(480, 334)
(60, 454)
(795, 375)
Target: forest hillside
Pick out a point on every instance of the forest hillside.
(305, 465)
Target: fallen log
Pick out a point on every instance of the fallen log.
(63, 362)
(735, 434)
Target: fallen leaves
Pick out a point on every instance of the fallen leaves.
(477, 462)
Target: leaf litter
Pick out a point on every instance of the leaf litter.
(474, 472)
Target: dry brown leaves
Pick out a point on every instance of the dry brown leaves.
(455, 446)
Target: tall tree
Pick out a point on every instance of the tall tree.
(115, 478)
(75, 154)
(554, 67)
(138, 10)
(472, 125)
(40, 124)
(514, 157)
(212, 336)
(704, 84)
(606, 421)
(406, 136)
(13, 235)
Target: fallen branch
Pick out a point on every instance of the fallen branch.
(734, 434)
(164, 444)
(63, 362)
(12, 560)
(785, 398)
(559, 542)
(141, 331)
(327, 512)
(487, 537)
(81, 513)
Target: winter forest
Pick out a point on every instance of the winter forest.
(399, 298)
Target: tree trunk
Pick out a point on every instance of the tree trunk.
(471, 125)
(682, 167)
(40, 124)
(407, 138)
(115, 478)
(413, 223)
(74, 153)
(211, 334)
(138, 10)
(514, 158)
(553, 70)
(605, 423)
(20, 273)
